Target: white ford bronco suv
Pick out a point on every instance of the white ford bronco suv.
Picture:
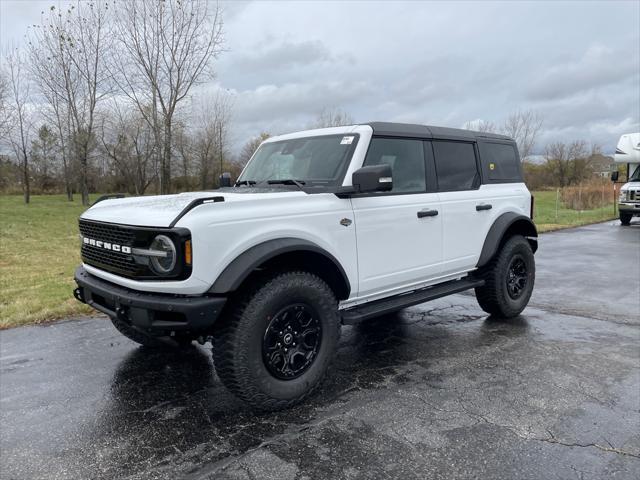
(322, 228)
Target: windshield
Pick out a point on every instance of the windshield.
(310, 160)
(635, 176)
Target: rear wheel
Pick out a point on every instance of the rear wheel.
(509, 279)
(273, 349)
(625, 218)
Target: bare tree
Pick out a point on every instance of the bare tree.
(165, 49)
(43, 149)
(523, 126)
(184, 151)
(50, 70)
(21, 123)
(128, 142)
(569, 163)
(205, 149)
(4, 104)
(211, 137)
(481, 126)
(583, 162)
(332, 117)
(250, 148)
(72, 45)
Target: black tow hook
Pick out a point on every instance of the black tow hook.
(79, 295)
(121, 313)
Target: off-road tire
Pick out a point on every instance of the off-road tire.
(625, 218)
(493, 297)
(240, 333)
(149, 341)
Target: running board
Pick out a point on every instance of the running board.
(353, 315)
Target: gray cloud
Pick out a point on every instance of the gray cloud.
(599, 66)
(265, 59)
(440, 63)
(443, 63)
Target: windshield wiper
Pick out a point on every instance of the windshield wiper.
(245, 182)
(288, 181)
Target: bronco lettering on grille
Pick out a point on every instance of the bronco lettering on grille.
(106, 245)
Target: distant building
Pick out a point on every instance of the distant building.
(602, 165)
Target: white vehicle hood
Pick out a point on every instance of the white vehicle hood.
(162, 210)
(629, 185)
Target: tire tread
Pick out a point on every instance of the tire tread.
(490, 295)
(229, 360)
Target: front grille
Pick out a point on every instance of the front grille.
(126, 264)
(109, 260)
(107, 232)
(634, 195)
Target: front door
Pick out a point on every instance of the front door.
(399, 233)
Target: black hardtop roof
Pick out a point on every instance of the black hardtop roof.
(392, 129)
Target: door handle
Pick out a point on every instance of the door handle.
(427, 213)
(484, 206)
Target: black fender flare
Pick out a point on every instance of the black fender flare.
(241, 267)
(507, 222)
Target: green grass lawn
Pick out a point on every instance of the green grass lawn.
(39, 250)
(545, 213)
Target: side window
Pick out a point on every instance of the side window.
(455, 165)
(406, 158)
(500, 162)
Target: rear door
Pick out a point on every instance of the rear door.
(466, 212)
(399, 233)
(503, 183)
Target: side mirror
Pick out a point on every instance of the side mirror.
(374, 178)
(225, 180)
(614, 176)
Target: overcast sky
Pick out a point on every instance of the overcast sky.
(576, 63)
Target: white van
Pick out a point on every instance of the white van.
(628, 151)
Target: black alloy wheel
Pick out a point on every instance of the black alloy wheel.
(291, 341)
(517, 277)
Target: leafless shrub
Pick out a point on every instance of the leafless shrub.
(595, 193)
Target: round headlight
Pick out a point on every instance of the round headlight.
(164, 264)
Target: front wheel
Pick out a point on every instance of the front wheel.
(274, 347)
(509, 279)
(625, 218)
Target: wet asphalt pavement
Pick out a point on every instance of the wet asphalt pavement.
(437, 391)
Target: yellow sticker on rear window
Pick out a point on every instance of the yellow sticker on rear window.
(492, 166)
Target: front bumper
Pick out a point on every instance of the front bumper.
(628, 207)
(154, 313)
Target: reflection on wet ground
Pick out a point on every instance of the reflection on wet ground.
(436, 391)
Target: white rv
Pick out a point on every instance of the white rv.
(628, 152)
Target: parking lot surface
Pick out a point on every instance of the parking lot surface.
(436, 391)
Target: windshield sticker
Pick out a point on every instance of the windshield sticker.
(346, 141)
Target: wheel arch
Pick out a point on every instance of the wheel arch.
(505, 226)
(282, 253)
